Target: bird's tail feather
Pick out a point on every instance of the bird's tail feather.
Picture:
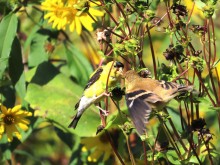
(185, 88)
(182, 89)
(74, 122)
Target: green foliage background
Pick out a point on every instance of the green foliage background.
(46, 70)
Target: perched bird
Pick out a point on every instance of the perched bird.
(144, 94)
(95, 90)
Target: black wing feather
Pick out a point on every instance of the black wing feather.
(94, 77)
(91, 81)
(139, 112)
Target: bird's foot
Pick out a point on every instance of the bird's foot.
(104, 94)
(107, 94)
(103, 112)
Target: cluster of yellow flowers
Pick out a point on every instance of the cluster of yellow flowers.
(11, 120)
(99, 146)
(72, 13)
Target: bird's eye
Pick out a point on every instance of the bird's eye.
(118, 65)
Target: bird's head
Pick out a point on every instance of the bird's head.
(117, 69)
(116, 73)
(119, 66)
(130, 76)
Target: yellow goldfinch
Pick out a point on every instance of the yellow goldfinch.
(95, 89)
(144, 94)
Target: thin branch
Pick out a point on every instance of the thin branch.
(113, 147)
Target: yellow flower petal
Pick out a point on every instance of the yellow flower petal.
(84, 149)
(18, 135)
(87, 22)
(78, 25)
(12, 119)
(24, 121)
(94, 4)
(23, 126)
(48, 15)
(2, 115)
(96, 12)
(72, 26)
(9, 132)
(16, 108)
(2, 129)
(4, 109)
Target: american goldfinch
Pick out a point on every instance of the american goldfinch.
(95, 89)
(144, 94)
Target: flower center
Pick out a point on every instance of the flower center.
(9, 119)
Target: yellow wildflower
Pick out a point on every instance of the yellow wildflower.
(12, 120)
(99, 146)
(72, 13)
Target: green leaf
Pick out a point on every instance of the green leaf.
(8, 28)
(173, 157)
(54, 97)
(116, 119)
(6, 155)
(121, 1)
(37, 51)
(15, 62)
(216, 63)
(215, 108)
(199, 4)
(16, 69)
(193, 159)
(27, 155)
(68, 138)
(174, 115)
(21, 87)
(78, 64)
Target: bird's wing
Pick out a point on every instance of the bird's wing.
(96, 75)
(139, 108)
(168, 85)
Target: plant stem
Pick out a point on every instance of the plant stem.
(130, 153)
(113, 147)
(152, 52)
(194, 151)
(145, 152)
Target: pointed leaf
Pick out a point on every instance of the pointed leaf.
(37, 50)
(16, 68)
(78, 64)
(8, 28)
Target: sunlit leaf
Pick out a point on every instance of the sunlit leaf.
(118, 118)
(174, 115)
(54, 96)
(173, 157)
(78, 64)
(8, 28)
(37, 48)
